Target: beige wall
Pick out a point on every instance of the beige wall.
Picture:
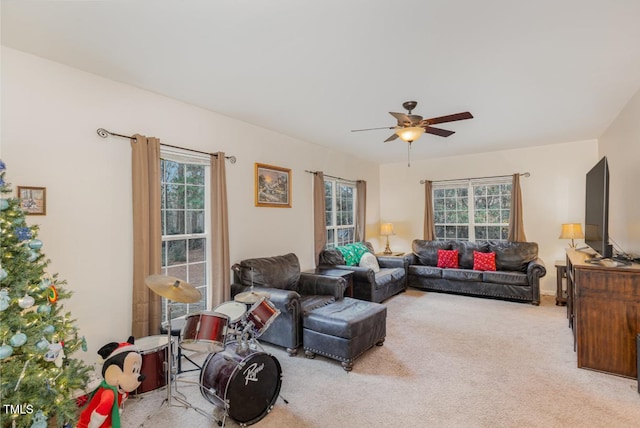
(552, 195)
(50, 114)
(621, 145)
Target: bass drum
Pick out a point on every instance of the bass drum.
(249, 384)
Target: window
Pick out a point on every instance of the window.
(340, 214)
(185, 234)
(472, 210)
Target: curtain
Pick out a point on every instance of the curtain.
(516, 225)
(147, 235)
(429, 223)
(220, 264)
(361, 213)
(319, 221)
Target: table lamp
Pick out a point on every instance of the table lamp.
(386, 229)
(571, 231)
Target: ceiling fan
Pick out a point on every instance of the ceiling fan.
(411, 126)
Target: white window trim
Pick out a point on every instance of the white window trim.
(334, 183)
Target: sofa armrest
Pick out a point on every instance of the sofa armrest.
(411, 259)
(391, 262)
(312, 284)
(360, 274)
(536, 269)
(282, 299)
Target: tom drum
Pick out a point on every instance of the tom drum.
(154, 351)
(204, 332)
(262, 314)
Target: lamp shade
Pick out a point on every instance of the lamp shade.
(571, 231)
(410, 134)
(386, 229)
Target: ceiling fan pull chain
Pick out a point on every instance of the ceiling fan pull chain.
(409, 155)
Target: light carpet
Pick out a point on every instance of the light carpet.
(448, 361)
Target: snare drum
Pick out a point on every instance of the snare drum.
(234, 310)
(246, 385)
(262, 314)
(154, 351)
(204, 332)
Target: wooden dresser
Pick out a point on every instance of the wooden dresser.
(605, 314)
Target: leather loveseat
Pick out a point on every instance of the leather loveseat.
(369, 284)
(517, 275)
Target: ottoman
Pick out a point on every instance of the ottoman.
(344, 330)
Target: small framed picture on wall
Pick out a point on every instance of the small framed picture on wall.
(33, 200)
(273, 186)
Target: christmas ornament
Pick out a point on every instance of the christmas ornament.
(45, 283)
(35, 244)
(49, 329)
(3, 274)
(23, 233)
(42, 345)
(3, 166)
(32, 256)
(53, 294)
(4, 204)
(39, 420)
(26, 301)
(18, 340)
(5, 351)
(4, 299)
(55, 354)
(44, 309)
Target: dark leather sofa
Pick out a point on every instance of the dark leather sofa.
(367, 284)
(517, 275)
(291, 291)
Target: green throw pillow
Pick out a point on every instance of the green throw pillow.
(353, 252)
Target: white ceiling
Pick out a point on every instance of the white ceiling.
(531, 72)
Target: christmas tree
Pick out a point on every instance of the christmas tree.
(39, 380)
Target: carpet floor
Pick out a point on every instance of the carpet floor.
(448, 361)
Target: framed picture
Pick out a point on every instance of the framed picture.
(33, 199)
(273, 186)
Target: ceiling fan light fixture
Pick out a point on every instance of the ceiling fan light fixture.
(410, 134)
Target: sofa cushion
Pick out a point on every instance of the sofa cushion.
(427, 251)
(466, 249)
(352, 252)
(331, 256)
(448, 259)
(462, 274)
(425, 271)
(369, 261)
(514, 256)
(276, 272)
(484, 261)
(388, 275)
(503, 277)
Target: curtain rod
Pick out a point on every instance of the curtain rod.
(104, 134)
(522, 174)
(332, 176)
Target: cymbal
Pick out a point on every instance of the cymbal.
(251, 296)
(173, 288)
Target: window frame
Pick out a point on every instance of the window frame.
(472, 210)
(335, 182)
(187, 158)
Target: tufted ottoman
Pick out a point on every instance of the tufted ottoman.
(344, 330)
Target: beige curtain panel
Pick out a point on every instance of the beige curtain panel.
(429, 230)
(516, 225)
(319, 223)
(221, 265)
(361, 210)
(147, 237)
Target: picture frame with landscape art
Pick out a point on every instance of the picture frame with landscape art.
(33, 200)
(273, 186)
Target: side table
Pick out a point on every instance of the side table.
(561, 274)
(344, 273)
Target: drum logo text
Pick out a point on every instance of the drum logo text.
(251, 373)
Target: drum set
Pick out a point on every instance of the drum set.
(238, 377)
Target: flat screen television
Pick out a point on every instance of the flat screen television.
(596, 219)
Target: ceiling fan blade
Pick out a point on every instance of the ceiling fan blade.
(403, 119)
(449, 118)
(438, 131)
(371, 129)
(393, 137)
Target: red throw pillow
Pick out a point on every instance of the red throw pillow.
(448, 259)
(484, 261)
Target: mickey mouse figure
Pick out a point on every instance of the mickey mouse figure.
(121, 373)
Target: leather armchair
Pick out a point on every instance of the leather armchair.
(292, 292)
(367, 284)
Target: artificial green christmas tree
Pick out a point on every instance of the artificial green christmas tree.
(39, 379)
